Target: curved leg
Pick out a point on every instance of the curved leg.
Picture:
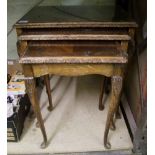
(31, 90)
(48, 90)
(116, 82)
(101, 105)
(112, 125)
(107, 85)
(104, 88)
(118, 114)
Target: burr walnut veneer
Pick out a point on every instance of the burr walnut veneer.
(74, 41)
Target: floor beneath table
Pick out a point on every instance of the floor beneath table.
(76, 124)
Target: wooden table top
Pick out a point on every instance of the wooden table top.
(76, 16)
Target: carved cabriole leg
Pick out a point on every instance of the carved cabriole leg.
(116, 82)
(107, 85)
(104, 88)
(31, 91)
(112, 125)
(118, 114)
(48, 90)
(101, 105)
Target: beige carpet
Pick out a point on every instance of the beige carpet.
(76, 124)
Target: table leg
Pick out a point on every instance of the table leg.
(107, 85)
(104, 89)
(112, 125)
(116, 82)
(31, 90)
(48, 90)
(101, 104)
(118, 114)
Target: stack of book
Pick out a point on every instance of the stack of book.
(18, 106)
(16, 85)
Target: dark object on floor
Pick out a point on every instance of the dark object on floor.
(15, 123)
